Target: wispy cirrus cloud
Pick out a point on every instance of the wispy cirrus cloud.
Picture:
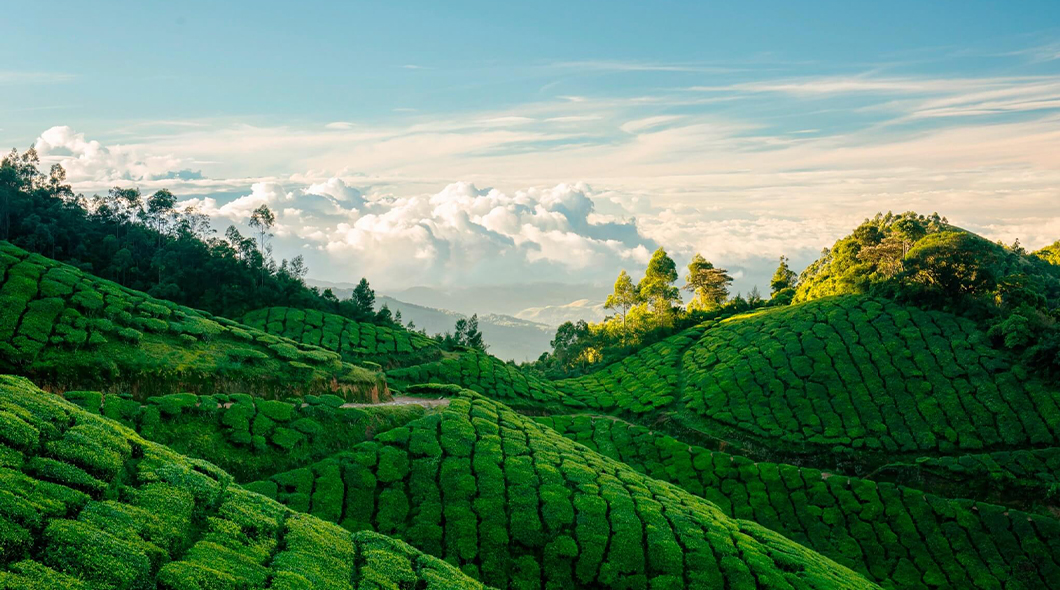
(742, 171)
(9, 77)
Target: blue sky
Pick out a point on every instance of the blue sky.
(604, 129)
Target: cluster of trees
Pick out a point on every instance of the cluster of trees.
(147, 243)
(651, 309)
(465, 334)
(923, 260)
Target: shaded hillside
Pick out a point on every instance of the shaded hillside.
(70, 330)
(248, 437)
(853, 382)
(87, 504)
(519, 506)
(354, 341)
(898, 536)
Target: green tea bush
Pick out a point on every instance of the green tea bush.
(250, 437)
(70, 330)
(519, 506)
(866, 374)
(173, 522)
(484, 374)
(897, 536)
(355, 342)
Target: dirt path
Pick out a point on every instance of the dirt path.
(404, 400)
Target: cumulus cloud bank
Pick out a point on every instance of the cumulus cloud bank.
(90, 160)
(458, 234)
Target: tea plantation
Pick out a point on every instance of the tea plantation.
(86, 504)
(355, 341)
(897, 536)
(852, 373)
(866, 374)
(70, 330)
(488, 375)
(518, 506)
(250, 438)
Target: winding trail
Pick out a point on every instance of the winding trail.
(403, 400)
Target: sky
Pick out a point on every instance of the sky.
(473, 143)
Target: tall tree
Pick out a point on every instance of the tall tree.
(363, 300)
(473, 336)
(657, 287)
(262, 220)
(710, 285)
(622, 298)
(783, 278)
(160, 211)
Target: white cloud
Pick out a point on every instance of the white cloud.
(90, 160)
(738, 185)
(339, 125)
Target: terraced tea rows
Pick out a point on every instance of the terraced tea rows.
(518, 506)
(1030, 476)
(487, 375)
(86, 505)
(866, 374)
(250, 438)
(355, 341)
(638, 384)
(70, 330)
(897, 536)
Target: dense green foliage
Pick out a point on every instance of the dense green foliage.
(143, 243)
(70, 330)
(86, 504)
(355, 341)
(639, 383)
(485, 374)
(250, 438)
(852, 382)
(518, 506)
(897, 536)
(865, 373)
(1013, 295)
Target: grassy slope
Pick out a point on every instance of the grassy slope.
(848, 373)
(70, 330)
(487, 375)
(87, 504)
(250, 438)
(355, 341)
(518, 506)
(898, 536)
(850, 383)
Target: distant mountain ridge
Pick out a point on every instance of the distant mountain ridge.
(508, 337)
(554, 315)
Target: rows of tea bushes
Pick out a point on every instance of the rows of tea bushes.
(70, 330)
(640, 383)
(355, 341)
(1027, 476)
(249, 437)
(87, 505)
(898, 536)
(515, 505)
(862, 373)
(487, 375)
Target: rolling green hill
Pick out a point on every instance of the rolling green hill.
(250, 438)
(862, 373)
(518, 506)
(355, 341)
(86, 504)
(70, 330)
(897, 536)
(487, 375)
(854, 373)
